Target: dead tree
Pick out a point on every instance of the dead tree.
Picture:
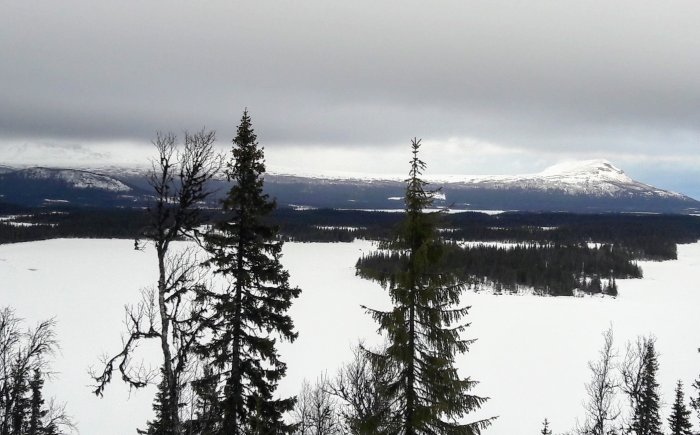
(360, 386)
(317, 410)
(602, 408)
(179, 179)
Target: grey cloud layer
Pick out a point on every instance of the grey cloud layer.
(550, 74)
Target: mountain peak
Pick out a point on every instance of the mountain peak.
(578, 166)
(598, 169)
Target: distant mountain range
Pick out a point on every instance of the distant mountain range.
(588, 186)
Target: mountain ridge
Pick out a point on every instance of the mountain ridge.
(578, 186)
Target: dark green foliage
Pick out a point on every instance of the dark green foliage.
(611, 286)
(648, 237)
(679, 421)
(22, 401)
(208, 408)
(636, 236)
(695, 399)
(75, 223)
(37, 412)
(161, 424)
(645, 418)
(250, 314)
(423, 329)
(28, 414)
(553, 270)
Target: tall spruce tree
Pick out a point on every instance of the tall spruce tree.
(423, 329)
(646, 419)
(679, 421)
(251, 313)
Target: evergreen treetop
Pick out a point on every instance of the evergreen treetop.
(679, 421)
(646, 419)
(545, 428)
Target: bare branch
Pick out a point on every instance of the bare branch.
(140, 324)
(602, 408)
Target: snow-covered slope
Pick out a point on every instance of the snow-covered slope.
(589, 177)
(39, 186)
(75, 178)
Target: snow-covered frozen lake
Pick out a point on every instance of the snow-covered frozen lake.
(531, 354)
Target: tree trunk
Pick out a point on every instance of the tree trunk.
(410, 381)
(172, 403)
(233, 426)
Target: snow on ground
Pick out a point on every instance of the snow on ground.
(530, 358)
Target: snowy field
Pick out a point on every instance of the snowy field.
(530, 358)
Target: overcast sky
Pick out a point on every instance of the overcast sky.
(493, 87)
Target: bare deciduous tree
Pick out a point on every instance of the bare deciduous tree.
(179, 179)
(360, 387)
(602, 408)
(316, 411)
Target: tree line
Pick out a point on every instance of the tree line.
(550, 270)
(643, 237)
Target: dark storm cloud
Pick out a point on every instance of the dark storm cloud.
(550, 75)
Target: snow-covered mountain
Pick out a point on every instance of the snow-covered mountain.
(75, 178)
(584, 186)
(40, 186)
(590, 177)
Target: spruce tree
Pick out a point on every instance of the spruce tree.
(208, 405)
(38, 412)
(545, 428)
(22, 403)
(251, 313)
(161, 424)
(646, 419)
(695, 399)
(679, 421)
(423, 329)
